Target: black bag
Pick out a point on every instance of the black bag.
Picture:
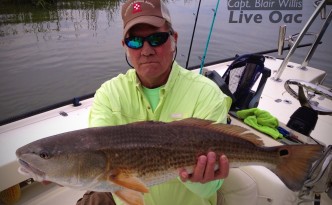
(239, 79)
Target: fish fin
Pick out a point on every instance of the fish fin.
(129, 182)
(130, 197)
(251, 137)
(295, 162)
(192, 122)
(237, 131)
(231, 130)
(139, 123)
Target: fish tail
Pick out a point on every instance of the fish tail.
(295, 162)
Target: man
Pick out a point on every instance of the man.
(159, 89)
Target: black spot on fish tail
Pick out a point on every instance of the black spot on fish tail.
(295, 162)
(283, 152)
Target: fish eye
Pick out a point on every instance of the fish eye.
(44, 155)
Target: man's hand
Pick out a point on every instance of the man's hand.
(204, 169)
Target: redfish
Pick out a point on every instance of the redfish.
(127, 159)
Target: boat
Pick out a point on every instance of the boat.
(277, 94)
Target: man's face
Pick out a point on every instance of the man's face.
(152, 64)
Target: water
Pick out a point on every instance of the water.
(55, 54)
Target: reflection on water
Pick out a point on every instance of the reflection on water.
(52, 54)
(49, 19)
(68, 49)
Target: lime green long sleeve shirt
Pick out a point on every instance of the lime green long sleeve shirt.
(121, 100)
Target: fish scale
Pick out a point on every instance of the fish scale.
(155, 153)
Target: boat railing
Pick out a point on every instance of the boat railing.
(320, 8)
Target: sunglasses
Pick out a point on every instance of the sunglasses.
(154, 40)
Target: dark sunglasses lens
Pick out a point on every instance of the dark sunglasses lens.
(157, 39)
(134, 42)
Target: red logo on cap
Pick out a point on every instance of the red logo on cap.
(137, 7)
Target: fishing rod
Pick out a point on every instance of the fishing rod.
(209, 37)
(192, 36)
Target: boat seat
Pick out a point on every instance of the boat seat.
(254, 185)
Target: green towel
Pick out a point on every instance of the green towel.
(261, 120)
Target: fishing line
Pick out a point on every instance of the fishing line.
(208, 40)
(192, 36)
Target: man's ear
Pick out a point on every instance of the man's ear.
(125, 48)
(173, 43)
(126, 51)
(174, 39)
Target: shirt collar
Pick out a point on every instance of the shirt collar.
(171, 79)
(172, 76)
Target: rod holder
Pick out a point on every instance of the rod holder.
(323, 13)
(281, 39)
(284, 63)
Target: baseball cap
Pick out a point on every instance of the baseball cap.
(152, 12)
